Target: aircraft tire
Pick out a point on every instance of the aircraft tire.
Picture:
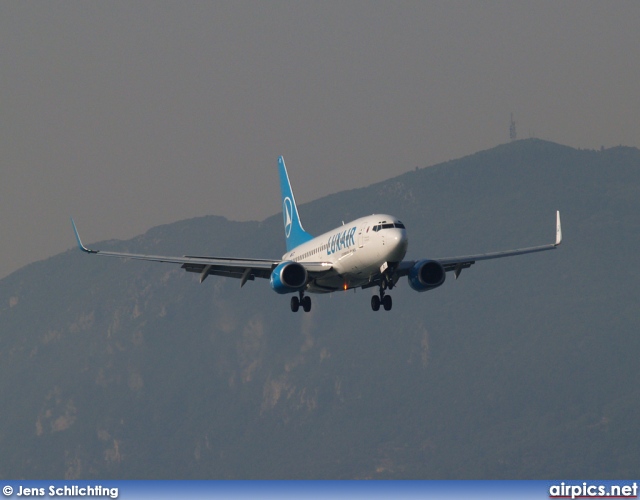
(375, 303)
(387, 302)
(306, 304)
(295, 304)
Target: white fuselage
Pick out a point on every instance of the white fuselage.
(356, 251)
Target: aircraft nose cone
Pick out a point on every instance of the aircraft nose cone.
(398, 244)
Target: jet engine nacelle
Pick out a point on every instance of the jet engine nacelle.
(426, 275)
(288, 277)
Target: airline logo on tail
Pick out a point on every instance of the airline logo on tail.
(293, 230)
(287, 207)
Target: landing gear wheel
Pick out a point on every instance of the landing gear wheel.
(387, 303)
(375, 303)
(295, 304)
(306, 304)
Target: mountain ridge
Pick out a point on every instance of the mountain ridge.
(522, 368)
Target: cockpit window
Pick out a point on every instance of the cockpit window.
(388, 226)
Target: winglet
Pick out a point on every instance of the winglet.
(80, 245)
(558, 229)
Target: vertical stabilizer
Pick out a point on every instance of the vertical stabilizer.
(293, 230)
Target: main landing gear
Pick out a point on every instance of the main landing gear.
(303, 301)
(383, 299)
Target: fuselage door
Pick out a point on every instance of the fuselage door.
(363, 237)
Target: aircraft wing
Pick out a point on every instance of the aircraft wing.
(457, 264)
(244, 269)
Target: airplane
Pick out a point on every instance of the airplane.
(365, 253)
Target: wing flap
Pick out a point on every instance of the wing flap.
(227, 271)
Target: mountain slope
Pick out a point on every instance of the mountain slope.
(522, 368)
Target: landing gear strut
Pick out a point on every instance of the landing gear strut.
(303, 301)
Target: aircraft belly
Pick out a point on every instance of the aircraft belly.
(334, 283)
(352, 269)
(325, 285)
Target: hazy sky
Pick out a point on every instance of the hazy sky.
(130, 114)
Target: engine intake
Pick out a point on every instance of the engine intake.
(289, 277)
(426, 275)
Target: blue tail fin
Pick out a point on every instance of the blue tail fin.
(293, 230)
